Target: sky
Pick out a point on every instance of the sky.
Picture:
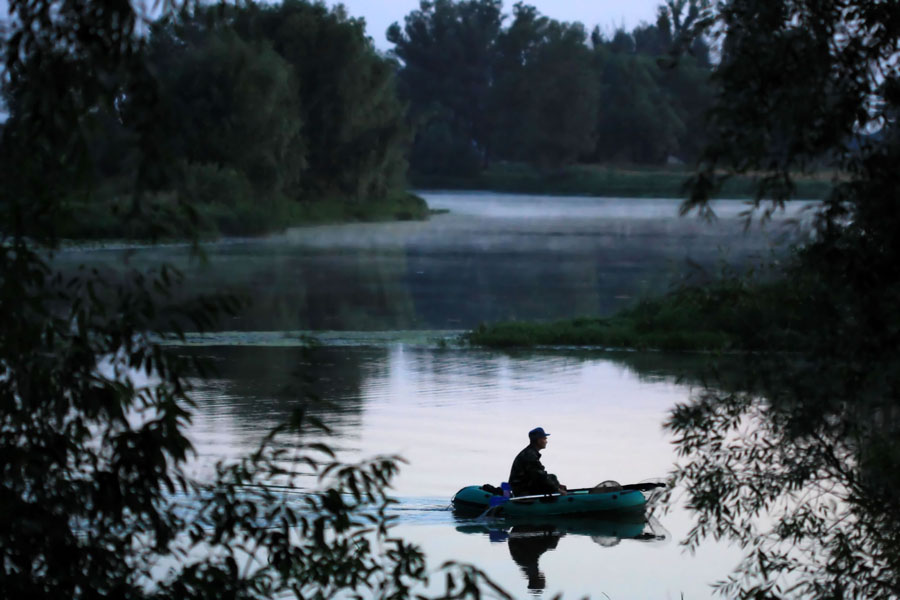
(608, 14)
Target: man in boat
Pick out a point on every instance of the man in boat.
(528, 476)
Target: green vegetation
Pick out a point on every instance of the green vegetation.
(485, 87)
(801, 466)
(102, 217)
(619, 332)
(732, 314)
(264, 116)
(596, 180)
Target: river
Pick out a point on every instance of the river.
(388, 300)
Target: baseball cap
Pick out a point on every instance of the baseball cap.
(537, 432)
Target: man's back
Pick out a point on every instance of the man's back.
(527, 475)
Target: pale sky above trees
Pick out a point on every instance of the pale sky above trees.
(608, 14)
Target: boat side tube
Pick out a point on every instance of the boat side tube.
(579, 501)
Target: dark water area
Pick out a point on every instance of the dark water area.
(491, 257)
(384, 299)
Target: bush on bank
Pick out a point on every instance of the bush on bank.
(728, 315)
(237, 214)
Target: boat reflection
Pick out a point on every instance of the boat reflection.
(529, 539)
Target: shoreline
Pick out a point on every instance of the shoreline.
(724, 316)
(98, 219)
(601, 181)
(94, 223)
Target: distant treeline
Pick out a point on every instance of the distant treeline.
(273, 114)
(269, 114)
(280, 102)
(484, 88)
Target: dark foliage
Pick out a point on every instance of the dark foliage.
(545, 95)
(734, 314)
(447, 50)
(353, 125)
(535, 91)
(260, 113)
(804, 84)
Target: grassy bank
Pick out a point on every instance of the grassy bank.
(724, 316)
(598, 180)
(114, 217)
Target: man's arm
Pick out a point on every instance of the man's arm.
(538, 473)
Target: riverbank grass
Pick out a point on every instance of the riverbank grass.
(611, 333)
(726, 316)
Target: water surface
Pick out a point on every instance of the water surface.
(385, 298)
(459, 416)
(492, 257)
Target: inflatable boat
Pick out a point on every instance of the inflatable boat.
(601, 500)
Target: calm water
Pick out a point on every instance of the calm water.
(491, 257)
(383, 295)
(459, 416)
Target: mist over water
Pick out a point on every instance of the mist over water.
(491, 257)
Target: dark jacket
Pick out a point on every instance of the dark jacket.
(528, 475)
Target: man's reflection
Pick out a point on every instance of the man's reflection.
(528, 541)
(526, 545)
